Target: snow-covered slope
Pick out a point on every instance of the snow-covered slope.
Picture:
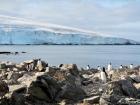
(22, 31)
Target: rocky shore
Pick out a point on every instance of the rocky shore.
(29, 84)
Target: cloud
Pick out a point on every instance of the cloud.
(115, 17)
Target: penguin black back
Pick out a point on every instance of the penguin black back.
(105, 71)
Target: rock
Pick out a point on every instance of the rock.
(132, 72)
(15, 69)
(122, 88)
(14, 75)
(86, 76)
(128, 88)
(21, 66)
(92, 100)
(109, 99)
(27, 78)
(51, 70)
(118, 100)
(17, 88)
(116, 90)
(137, 85)
(2, 66)
(18, 96)
(3, 88)
(10, 64)
(45, 88)
(85, 83)
(71, 68)
(74, 93)
(136, 78)
(129, 101)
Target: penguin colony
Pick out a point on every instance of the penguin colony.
(104, 74)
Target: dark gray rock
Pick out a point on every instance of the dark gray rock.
(74, 93)
(45, 88)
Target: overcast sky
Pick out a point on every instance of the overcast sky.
(111, 17)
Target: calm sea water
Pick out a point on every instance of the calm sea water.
(81, 55)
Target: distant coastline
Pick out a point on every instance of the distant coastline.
(71, 44)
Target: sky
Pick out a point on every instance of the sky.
(117, 18)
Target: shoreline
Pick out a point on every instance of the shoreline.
(72, 44)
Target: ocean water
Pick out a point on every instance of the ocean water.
(93, 55)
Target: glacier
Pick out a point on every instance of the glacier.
(15, 30)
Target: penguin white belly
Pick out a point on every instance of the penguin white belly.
(120, 67)
(103, 77)
(99, 68)
(131, 66)
(109, 67)
(88, 68)
(39, 65)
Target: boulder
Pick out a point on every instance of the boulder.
(2, 66)
(18, 96)
(44, 88)
(116, 90)
(128, 88)
(14, 75)
(26, 79)
(71, 68)
(3, 88)
(136, 78)
(70, 92)
(122, 88)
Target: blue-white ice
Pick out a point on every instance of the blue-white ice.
(21, 31)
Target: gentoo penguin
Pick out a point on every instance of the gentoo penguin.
(131, 66)
(60, 65)
(103, 75)
(120, 67)
(88, 67)
(109, 68)
(99, 68)
(39, 65)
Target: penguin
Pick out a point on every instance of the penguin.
(103, 75)
(88, 67)
(121, 67)
(39, 65)
(99, 68)
(109, 68)
(131, 66)
(60, 65)
(31, 66)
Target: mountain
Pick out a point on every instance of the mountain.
(15, 30)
